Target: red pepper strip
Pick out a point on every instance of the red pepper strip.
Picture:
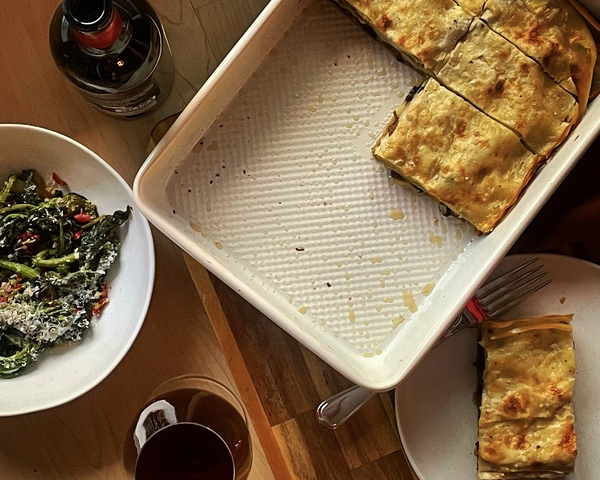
(100, 304)
(58, 180)
(82, 217)
(77, 235)
(29, 237)
(475, 308)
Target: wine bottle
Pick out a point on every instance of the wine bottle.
(114, 52)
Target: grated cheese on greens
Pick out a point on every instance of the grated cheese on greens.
(55, 252)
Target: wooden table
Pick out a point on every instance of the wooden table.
(195, 323)
(85, 438)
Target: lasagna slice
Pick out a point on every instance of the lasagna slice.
(553, 33)
(510, 87)
(464, 159)
(422, 31)
(526, 423)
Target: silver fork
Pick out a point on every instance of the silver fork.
(493, 299)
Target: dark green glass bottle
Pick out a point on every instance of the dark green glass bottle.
(115, 53)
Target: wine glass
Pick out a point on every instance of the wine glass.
(192, 427)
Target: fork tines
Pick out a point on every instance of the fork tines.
(509, 289)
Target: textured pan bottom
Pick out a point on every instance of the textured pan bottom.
(283, 187)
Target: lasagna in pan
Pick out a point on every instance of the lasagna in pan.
(424, 32)
(443, 145)
(526, 423)
(519, 70)
(499, 79)
(551, 32)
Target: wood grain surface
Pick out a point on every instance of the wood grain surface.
(282, 383)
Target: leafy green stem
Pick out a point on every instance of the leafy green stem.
(16, 208)
(19, 268)
(57, 261)
(7, 187)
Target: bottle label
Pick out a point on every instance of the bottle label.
(130, 103)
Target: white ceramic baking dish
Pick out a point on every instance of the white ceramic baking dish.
(267, 179)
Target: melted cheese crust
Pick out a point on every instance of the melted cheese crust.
(509, 73)
(473, 6)
(526, 424)
(423, 30)
(463, 158)
(553, 33)
(499, 79)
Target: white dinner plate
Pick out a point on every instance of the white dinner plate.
(436, 406)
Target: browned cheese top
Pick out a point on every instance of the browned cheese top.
(463, 158)
(499, 79)
(553, 33)
(526, 414)
(424, 30)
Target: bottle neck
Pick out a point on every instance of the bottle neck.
(95, 24)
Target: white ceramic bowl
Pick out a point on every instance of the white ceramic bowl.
(63, 374)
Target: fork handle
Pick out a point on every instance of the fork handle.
(457, 325)
(340, 407)
(334, 411)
